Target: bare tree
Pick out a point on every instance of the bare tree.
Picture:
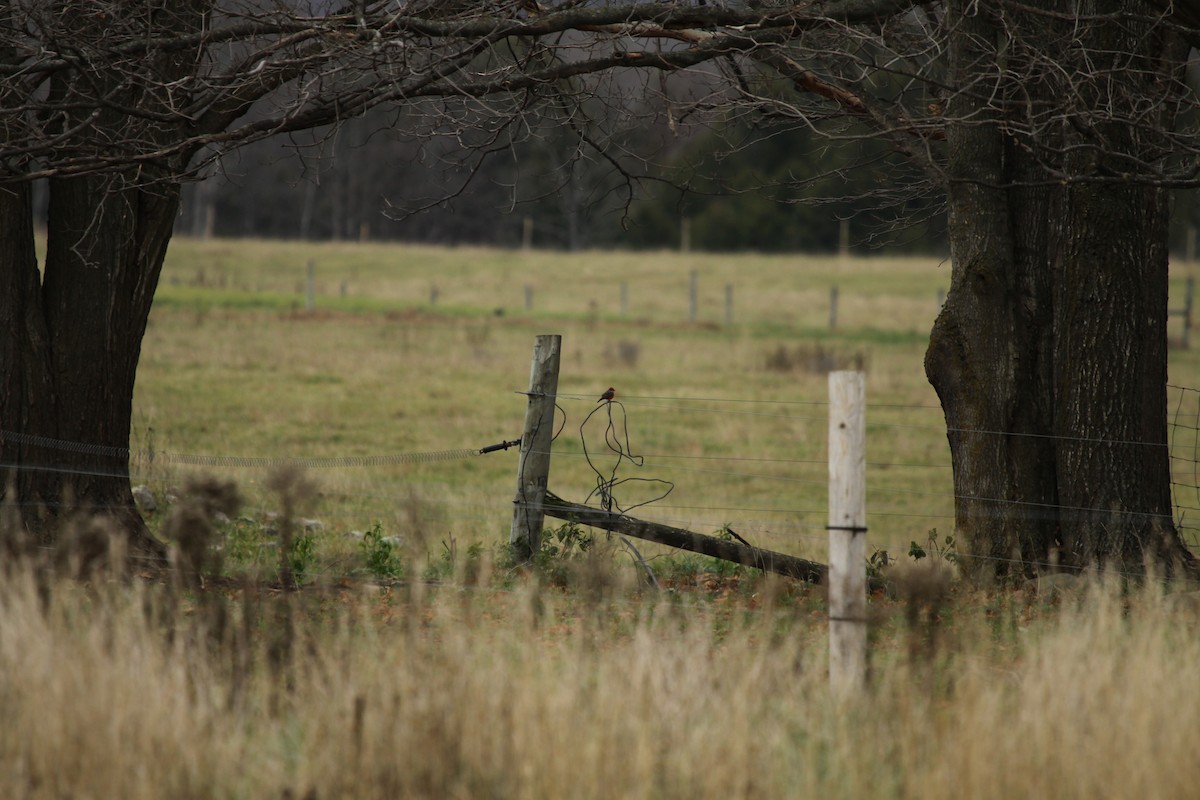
(1052, 129)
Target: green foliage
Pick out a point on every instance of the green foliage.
(566, 541)
(561, 547)
(784, 188)
(244, 539)
(943, 549)
(451, 560)
(381, 554)
(303, 554)
(690, 568)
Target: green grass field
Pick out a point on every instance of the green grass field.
(732, 414)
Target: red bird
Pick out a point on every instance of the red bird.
(608, 395)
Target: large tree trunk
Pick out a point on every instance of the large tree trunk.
(1110, 298)
(71, 340)
(27, 402)
(988, 349)
(71, 334)
(1049, 355)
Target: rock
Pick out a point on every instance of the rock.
(145, 499)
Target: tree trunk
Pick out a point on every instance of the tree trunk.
(1049, 355)
(73, 340)
(71, 336)
(27, 404)
(1110, 278)
(987, 352)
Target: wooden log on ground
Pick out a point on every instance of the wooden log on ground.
(766, 560)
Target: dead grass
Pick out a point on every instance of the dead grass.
(115, 690)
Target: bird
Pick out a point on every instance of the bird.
(608, 395)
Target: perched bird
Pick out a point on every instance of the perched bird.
(608, 395)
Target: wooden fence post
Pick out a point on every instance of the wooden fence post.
(693, 298)
(624, 298)
(310, 291)
(847, 532)
(533, 466)
(833, 301)
(729, 304)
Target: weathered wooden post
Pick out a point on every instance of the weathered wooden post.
(833, 300)
(847, 532)
(310, 291)
(527, 234)
(528, 297)
(533, 466)
(729, 304)
(693, 296)
(624, 298)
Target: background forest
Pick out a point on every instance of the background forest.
(740, 190)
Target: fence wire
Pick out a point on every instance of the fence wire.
(1183, 441)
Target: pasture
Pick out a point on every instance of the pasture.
(449, 673)
(732, 415)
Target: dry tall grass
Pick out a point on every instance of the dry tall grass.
(133, 691)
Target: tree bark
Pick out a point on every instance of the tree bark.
(1110, 295)
(1049, 356)
(71, 335)
(987, 351)
(71, 342)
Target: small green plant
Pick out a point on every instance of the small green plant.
(448, 561)
(243, 541)
(877, 563)
(943, 549)
(565, 541)
(380, 552)
(560, 546)
(303, 554)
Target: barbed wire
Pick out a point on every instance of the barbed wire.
(883, 424)
(607, 483)
(219, 460)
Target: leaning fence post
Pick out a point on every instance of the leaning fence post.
(847, 532)
(533, 469)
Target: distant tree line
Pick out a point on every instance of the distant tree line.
(740, 187)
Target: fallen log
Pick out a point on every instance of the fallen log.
(766, 560)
